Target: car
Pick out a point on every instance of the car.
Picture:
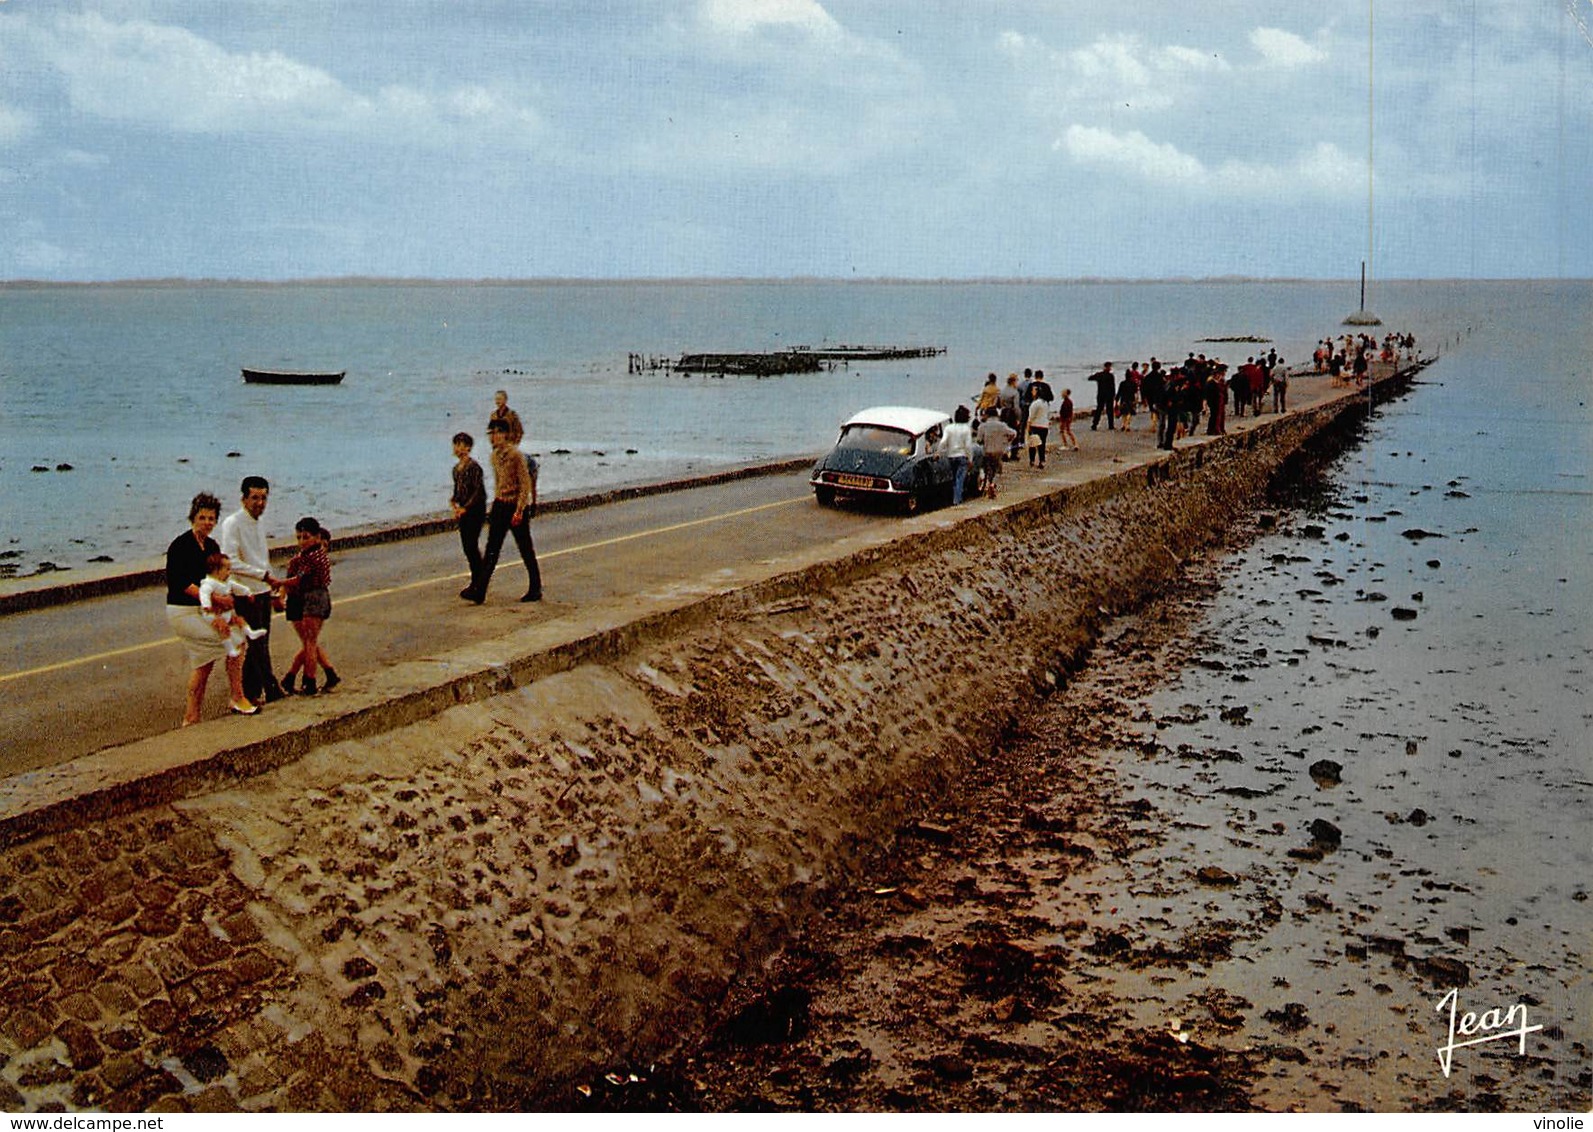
(889, 453)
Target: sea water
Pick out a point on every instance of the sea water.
(119, 402)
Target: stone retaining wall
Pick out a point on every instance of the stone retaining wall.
(473, 911)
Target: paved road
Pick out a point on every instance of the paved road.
(106, 671)
(91, 674)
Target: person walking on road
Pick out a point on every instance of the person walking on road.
(1105, 397)
(514, 502)
(996, 437)
(469, 503)
(243, 540)
(309, 583)
(204, 637)
(1039, 423)
(502, 412)
(957, 446)
(1064, 423)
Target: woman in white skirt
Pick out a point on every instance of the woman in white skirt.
(204, 635)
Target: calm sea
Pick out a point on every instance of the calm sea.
(138, 389)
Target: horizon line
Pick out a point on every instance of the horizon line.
(711, 280)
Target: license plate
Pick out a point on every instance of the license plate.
(847, 480)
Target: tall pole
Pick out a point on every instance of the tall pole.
(1371, 133)
(1362, 317)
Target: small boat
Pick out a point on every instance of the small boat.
(284, 377)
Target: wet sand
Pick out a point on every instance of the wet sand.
(1189, 882)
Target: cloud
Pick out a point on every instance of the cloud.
(776, 86)
(1120, 71)
(1324, 171)
(1132, 152)
(1284, 49)
(14, 125)
(747, 17)
(171, 78)
(787, 35)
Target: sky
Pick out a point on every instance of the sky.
(471, 139)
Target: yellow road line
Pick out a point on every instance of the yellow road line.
(7, 677)
(580, 549)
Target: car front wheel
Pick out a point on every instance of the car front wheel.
(825, 496)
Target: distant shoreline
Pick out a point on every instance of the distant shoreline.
(178, 282)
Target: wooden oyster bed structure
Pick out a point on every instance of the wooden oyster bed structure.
(801, 359)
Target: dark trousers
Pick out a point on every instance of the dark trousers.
(1167, 427)
(1111, 415)
(258, 677)
(498, 525)
(470, 524)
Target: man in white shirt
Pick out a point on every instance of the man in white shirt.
(243, 540)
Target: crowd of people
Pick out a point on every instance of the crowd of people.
(1022, 414)
(221, 590)
(1349, 358)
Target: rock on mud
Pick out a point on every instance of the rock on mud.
(1326, 772)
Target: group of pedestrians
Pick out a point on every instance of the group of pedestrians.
(1017, 417)
(1348, 359)
(1024, 412)
(221, 593)
(513, 505)
(221, 590)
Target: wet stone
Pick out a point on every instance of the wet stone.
(1291, 1019)
(201, 947)
(25, 1028)
(1326, 772)
(206, 1063)
(1443, 971)
(778, 1016)
(251, 967)
(951, 1067)
(358, 968)
(1325, 833)
(159, 1015)
(121, 1071)
(84, 1051)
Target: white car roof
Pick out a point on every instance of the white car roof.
(903, 417)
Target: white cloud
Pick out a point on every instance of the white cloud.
(1111, 59)
(790, 36)
(170, 77)
(1132, 152)
(1325, 171)
(745, 17)
(1285, 49)
(1117, 71)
